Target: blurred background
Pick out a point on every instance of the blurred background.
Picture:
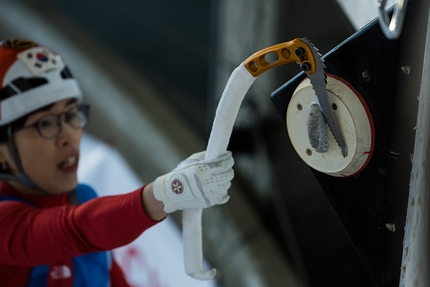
(153, 72)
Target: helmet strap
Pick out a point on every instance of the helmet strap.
(21, 176)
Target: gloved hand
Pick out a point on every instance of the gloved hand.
(196, 183)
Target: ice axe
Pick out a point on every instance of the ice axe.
(299, 50)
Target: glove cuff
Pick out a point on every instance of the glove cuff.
(160, 193)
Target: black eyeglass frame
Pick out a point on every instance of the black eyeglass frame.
(85, 109)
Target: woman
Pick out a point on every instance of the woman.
(55, 232)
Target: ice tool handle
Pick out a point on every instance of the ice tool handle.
(296, 51)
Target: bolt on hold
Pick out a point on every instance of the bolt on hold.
(406, 70)
(391, 227)
(365, 75)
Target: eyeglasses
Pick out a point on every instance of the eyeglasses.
(50, 126)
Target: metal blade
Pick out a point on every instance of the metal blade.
(318, 81)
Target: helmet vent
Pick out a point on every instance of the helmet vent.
(7, 92)
(66, 74)
(21, 85)
(29, 83)
(18, 44)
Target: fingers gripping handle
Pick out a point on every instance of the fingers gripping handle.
(237, 86)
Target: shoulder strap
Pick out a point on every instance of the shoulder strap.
(85, 193)
(13, 198)
(81, 194)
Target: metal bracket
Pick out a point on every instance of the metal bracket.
(393, 28)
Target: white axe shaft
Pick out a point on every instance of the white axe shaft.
(237, 86)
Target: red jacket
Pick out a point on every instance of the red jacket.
(51, 229)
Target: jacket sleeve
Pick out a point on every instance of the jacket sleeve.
(34, 236)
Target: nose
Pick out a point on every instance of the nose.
(68, 135)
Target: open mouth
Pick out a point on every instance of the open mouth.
(69, 163)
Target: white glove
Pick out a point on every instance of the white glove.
(196, 183)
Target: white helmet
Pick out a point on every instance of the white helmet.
(31, 77)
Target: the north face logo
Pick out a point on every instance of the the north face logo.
(177, 186)
(61, 272)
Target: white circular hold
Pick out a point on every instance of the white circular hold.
(354, 121)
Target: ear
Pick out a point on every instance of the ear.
(5, 157)
(6, 160)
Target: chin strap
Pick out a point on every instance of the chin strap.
(21, 176)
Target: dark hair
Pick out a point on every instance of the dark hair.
(4, 137)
